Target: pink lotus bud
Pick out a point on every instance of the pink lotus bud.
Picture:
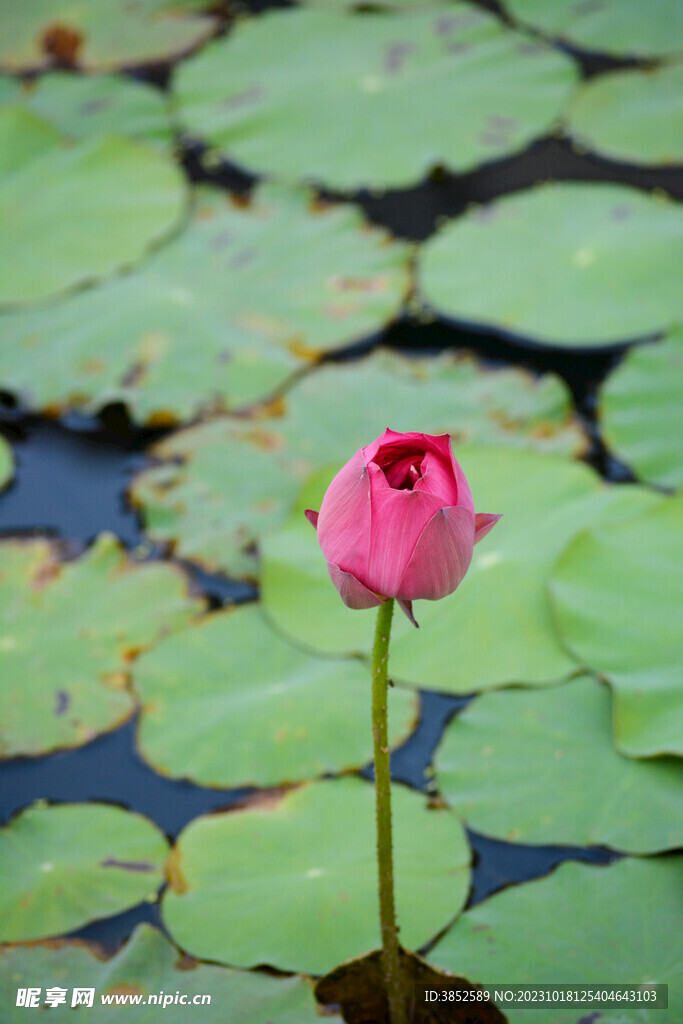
(398, 521)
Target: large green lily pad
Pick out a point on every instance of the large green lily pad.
(100, 34)
(84, 105)
(581, 924)
(632, 116)
(290, 880)
(68, 633)
(497, 628)
(617, 592)
(555, 777)
(148, 965)
(620, 27)
(6, 463)
(578, 265)
(73, 214)
(641, 410)
(220, 317)
(24, 136)
(63, 866)
(192, 499)
(375, 100)
(233, 685)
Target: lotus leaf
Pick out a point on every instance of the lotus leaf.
(290, 880)
(620, 27)
(71, 214)
(641, 410)
(63, 866)
(220, 317)
(617, 596)
(148, 965)
(374, 100)
(24, 136)
(632, 116)
(577, 265)
(100, 34)
(230, 703)
(556, 777)
(84, 105)
(619, 922)
(68, 633)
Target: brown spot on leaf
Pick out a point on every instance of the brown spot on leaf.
(173, 873)
(186, 963)
(298, 347)
(269, 327)
(224, 357)
(62, 702)
(358, 987)
(265, 506)
(366, 285)
(276, 407)
(116, 680)
(127, 865)
(317, 204)
(162, 418)
(263, 439)
(130, 653)
(337, 311)
(92, 366)
(240, 200)
(260, 800)
(62, 43)
(46, 574)
(544, 430)
(124, 988)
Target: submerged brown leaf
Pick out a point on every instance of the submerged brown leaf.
(357, 987)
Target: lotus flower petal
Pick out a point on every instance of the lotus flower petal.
(351, 590)
(483, 522)
(344, 518)
(437, 478)
(407, 609)
(441, 557)
(398, 519)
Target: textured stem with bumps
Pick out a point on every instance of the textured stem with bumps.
(391, 954)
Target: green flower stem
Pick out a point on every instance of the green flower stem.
(387, 912)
